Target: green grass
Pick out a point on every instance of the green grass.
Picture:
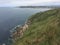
(43, 30)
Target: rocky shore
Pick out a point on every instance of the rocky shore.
(18, 31)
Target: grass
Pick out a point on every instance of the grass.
(43, 30)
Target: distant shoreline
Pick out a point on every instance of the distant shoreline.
(39, 6)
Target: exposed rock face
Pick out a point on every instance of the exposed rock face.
(18, 31)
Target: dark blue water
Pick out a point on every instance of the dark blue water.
(10, 17)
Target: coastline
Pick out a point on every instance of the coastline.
(43, 30)
(18, 31)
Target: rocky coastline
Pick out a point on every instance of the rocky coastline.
(18, 31)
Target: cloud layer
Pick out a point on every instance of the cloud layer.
(24, 2)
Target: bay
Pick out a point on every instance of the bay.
(11, 17)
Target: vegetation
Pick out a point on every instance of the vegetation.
(43, 30)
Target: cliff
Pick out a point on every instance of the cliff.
(43, 29)
(18, 31)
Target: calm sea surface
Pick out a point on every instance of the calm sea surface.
(10, 17)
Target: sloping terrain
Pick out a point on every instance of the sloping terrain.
(44, 29)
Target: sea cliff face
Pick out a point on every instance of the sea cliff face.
(41, 29)
(18, 31)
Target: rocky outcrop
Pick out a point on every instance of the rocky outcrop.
(18, 31)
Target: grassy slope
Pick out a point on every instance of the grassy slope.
(44, 29)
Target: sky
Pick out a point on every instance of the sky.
(10, 3)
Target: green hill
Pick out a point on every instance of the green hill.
(44, 29)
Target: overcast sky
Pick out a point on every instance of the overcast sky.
(25, 2)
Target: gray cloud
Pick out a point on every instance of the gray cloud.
(23, 2)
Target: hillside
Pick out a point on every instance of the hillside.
(44, 29)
